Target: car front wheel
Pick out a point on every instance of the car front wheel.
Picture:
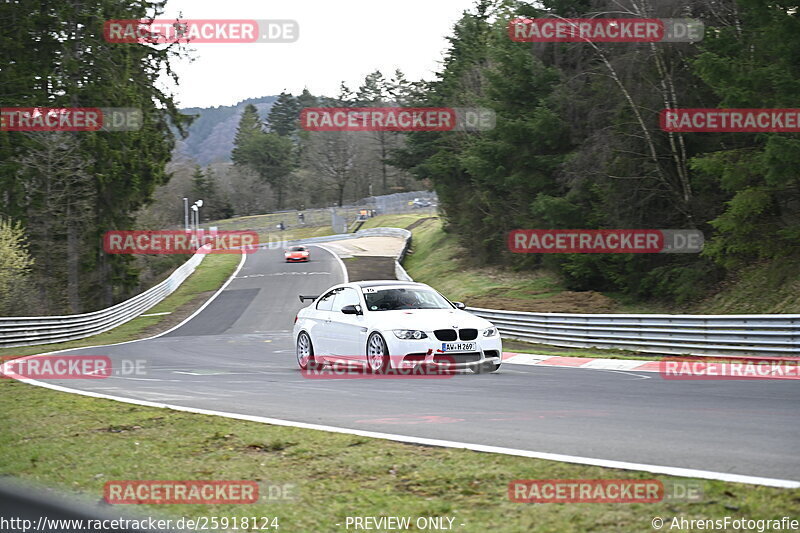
(377, 354)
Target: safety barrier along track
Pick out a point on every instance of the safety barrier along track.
(27, 331)
(767, 335)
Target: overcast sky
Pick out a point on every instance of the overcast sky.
(340, 40)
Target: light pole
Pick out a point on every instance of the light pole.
(194, 218)
(185, 213)
(198, 204)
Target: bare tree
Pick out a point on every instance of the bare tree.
(334, 155)
(61, 197)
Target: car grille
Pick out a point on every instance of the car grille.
(468, 334)
(445, 334)
(458, 358)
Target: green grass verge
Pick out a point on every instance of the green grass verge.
(77, 444)
(393, 221)
(434, 260)
(268, 222)
(294, 233)
(209, 276)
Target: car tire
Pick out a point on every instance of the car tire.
(377, 354)
(304, 351)
(487, 368)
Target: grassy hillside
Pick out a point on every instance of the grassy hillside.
(761, 288)
(436, 259)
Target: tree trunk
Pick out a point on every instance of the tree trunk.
(73, 260)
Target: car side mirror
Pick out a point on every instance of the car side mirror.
(460, 305)
(352, 310)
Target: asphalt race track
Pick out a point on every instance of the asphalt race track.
(237, 356)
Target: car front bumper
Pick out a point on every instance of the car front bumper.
(405, 353)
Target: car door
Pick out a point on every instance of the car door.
(347, 332)
(320, 330)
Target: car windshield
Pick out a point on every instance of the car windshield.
(297, 249)
(390, 299)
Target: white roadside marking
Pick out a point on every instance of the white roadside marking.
(339, 259)
(144, 379)
(607, 463)
(624, 365)
(614, 364)
(526, 359)
(623, 372)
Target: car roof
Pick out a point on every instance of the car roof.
(381, 283)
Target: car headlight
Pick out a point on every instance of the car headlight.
(490, 332)
(410, 334)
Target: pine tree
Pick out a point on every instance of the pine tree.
(200, 187)
(283, 115)
(249, 127)
(306, 99)
(373, 92)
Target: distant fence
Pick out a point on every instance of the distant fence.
(28, 331)
(372, 232)
(390, 204)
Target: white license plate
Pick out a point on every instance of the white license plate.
(459, 347)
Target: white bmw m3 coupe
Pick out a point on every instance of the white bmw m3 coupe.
(393, 324)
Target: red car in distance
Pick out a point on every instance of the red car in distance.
(296, 254)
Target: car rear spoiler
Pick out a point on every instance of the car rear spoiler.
(304, 298)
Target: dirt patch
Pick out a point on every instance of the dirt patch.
(367, 268)
(563, 302)
(418, 222)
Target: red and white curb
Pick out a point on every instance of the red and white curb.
(510, 358)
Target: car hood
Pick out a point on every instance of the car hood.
(427, 319)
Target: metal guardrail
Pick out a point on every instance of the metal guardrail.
(766, 335)
(29, 331)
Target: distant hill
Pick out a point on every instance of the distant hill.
(211, 135)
